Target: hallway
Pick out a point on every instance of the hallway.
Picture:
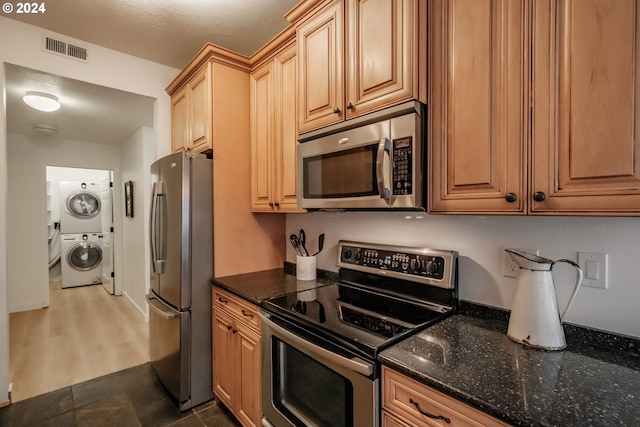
(85, 333)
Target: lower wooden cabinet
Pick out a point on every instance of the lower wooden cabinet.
(408, 403)
(237, 357)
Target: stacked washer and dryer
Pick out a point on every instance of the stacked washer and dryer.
(81, 233)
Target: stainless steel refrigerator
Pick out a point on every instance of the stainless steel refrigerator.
(181, 234)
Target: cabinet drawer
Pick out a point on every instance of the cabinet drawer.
(390, 421)
(238, 308)
(409, 400)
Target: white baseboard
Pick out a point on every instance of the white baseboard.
(25, 307)
(143, 313)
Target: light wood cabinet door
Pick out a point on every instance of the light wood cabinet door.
(191, 114)
(381, 50)
(237, 356)
(262, 138)
(274, 134)
(320, 69)
(586, 107)
(478, 107)
(249, 371)
(179, 121)
(286, 125)
(199, 89)
(223, 357)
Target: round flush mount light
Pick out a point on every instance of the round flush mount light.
(41, 101)
(43, 129)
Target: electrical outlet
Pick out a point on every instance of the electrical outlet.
(509, 266)
(594, 267)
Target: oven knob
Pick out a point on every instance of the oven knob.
(358, 256)
(416, 265)
(431, 267)
(346, 254)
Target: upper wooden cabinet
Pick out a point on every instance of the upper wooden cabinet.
(359, 56)
(191, 114)
(586, 107)
(274, 131)
(533, 107)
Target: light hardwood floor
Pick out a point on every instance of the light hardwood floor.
(85, 333)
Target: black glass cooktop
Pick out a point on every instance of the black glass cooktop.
(366, 318)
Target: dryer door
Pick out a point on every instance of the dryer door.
(83, 204)
(84, 256)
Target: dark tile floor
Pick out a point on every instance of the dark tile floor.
(129, 398)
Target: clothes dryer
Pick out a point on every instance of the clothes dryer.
(80, 207)
(81, 259)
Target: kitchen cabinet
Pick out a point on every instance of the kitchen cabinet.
(274, 132)
(237, 357)
(408, 403)
(533, 107)
(359, 56)
(191, 114)
(237, 229)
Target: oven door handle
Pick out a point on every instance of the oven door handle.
(355, 364)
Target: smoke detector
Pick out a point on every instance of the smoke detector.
(48, 130)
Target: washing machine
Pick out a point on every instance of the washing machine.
(80, 206)
(81, 259)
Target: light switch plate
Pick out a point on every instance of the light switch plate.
(595, 269)
(509, 266)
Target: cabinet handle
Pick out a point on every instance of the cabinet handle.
(235, 331)
(270, 204)
(511, 197)
(349, 106)
(223, 301)
(336, 110)
(425, 413)
(246, 313)
(228, 327)
(539, 196)
(277, 204)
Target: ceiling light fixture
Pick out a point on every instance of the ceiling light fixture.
(41, 101)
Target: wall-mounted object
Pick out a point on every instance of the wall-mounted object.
(128, 199)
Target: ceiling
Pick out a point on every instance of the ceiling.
(168, 32)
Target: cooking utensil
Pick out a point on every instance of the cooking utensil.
(303, 241)
(535, 320)
(320, 244)
(295, 242)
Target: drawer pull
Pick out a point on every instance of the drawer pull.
(426, 414)
(246, 313)
(223, 301)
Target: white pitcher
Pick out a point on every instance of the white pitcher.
(535, 320)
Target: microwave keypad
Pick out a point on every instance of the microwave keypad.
(402, 161)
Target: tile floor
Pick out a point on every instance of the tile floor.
(129, 398)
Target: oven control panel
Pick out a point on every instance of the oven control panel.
(431, 266)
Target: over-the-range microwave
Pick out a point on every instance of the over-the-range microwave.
(374, 162)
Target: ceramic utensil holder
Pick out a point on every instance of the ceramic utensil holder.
(305, 267)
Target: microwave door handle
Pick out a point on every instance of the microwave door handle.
(384, 159)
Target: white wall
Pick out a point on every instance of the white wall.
(21, 46)
(28, 158)
(135, 166)
(480, 241)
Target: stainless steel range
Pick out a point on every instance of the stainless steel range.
(320, 344)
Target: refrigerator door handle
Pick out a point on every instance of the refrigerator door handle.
(157, 307)
(158, 225)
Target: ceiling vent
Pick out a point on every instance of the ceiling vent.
(66, 49)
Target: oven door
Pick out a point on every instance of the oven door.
(308, 381)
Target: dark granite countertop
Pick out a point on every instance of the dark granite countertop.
(594, 382)
(259, 286)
